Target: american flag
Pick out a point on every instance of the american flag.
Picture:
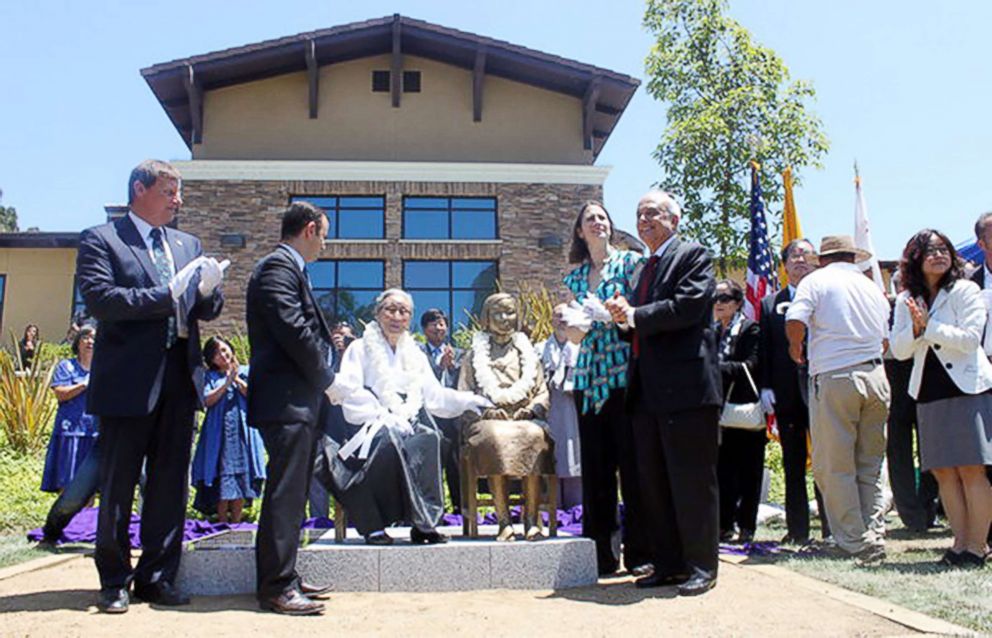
(761, 279)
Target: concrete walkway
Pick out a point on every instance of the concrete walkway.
(55, 596)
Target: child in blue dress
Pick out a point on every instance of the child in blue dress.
(75, 430)
(228, 466)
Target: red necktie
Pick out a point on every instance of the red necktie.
(641, 296)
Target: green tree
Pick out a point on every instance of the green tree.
(8, 218)
(730, 100)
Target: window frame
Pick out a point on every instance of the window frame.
(451, 289)
(337, 213)
(450, 210)
(3, 296)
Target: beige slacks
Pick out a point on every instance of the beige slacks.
(848, 409)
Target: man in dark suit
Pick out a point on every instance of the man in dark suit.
(982, 277)
(674, 394)
(148, 286)
(290, 372)
(446, 362)
(781, 382)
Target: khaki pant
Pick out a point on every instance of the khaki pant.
(848, 409)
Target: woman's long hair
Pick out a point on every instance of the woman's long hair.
(578, 252)
(911, 265)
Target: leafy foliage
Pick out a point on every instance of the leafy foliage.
(730, 100)
(8, 218)
(27, 405)
(22, 504)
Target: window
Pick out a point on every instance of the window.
(3, 290)
(351, 217)
(456, 287)
(346, 290)
(381, 81)
(449, 218)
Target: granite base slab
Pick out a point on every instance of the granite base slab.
(227, 566)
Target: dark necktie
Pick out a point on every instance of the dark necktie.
(641, 295)
(164, 270)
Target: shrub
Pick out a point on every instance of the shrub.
(27, 405)
(22, 504)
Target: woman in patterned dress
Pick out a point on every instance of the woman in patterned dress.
(606, 439)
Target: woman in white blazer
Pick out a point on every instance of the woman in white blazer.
(939, 321)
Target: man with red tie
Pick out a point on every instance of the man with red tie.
(674, 395)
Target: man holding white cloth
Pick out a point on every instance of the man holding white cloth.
(846, 316)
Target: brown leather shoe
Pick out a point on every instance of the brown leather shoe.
(314, 591)
(292, 603)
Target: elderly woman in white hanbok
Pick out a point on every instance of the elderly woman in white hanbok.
(386, 468)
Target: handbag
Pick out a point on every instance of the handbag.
(743, 416)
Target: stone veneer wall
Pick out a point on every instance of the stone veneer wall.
(526, 212)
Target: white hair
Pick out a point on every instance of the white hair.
(667, 201)
(380, 301)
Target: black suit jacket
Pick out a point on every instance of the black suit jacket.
(121, 288)
(979, 276)
(290, 343)
(744, 348)
(777, 369)
(677, 368)
(448, 378)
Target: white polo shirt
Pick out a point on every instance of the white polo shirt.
(846, 314)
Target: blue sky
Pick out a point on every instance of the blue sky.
(903, 87)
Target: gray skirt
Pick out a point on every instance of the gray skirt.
(955, 431)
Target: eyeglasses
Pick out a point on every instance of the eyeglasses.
(933, 251)
(725, 298)
(402, 311)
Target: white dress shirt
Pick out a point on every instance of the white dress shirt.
(657, 253)
(846, 314)
(297, 257)
(145, 231)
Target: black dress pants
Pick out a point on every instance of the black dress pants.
(163, 440)
(606, 446)
(916, 504)
(793, 432)
(291, 462)
(677, 458)
(739, 471)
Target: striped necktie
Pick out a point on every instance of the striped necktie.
(164, 269)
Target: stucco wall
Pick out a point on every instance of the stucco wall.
(38, 290)
(269, 119)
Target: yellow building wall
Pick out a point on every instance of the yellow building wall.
(269, 119)
(38, 290)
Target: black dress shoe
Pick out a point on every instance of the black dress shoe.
(699, 583)
(378, 538)
(161, 593)
(113, 600)
(433, 537)
(313, 591)
(661, 580)
(292, 603)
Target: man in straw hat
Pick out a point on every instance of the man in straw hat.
(846, 317)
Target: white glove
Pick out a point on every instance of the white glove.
(575, 316)
(768, 400)
(478, 403)
(211, 274)
(180, 282)
(596, 311)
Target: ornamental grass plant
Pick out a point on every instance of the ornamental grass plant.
(27, 405)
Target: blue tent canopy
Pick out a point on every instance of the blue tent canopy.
(970, 251)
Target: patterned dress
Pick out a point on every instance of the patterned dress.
(75, 430)
(602, 362)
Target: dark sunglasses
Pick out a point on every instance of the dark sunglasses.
(725, 298)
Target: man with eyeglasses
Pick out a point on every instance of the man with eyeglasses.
(781, 392)
(847, 318)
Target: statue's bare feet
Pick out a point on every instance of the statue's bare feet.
(534, 533)
(505, 534)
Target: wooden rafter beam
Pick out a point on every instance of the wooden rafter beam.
(589, 110)
(478, 77)
(194, 93)
(313, 76)
(396, 68)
